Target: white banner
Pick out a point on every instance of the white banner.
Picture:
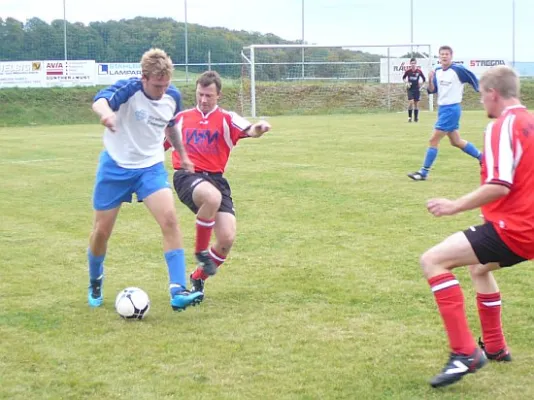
(397, 66)
(393, 72)
(109, 73)
(70, 73)
(21, 74)
(479, 65)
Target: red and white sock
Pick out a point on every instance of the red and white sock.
(203, 237)
(489, 311)
(451, 305)
(217, 258)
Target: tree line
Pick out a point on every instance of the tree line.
(127, 39)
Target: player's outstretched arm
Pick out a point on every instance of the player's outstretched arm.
(485, 194)
(107, 116)
(258, 129)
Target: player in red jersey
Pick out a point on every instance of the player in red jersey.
(413, 77)
(209, 134)
(506, 237)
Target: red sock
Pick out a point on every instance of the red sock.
(204, 229)
(450, 301)
(199, 274)
(489, 311)
(217, 258)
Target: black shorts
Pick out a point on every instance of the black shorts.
(489, 247)
(185, 182)
(414, 95)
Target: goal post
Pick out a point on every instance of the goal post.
(318, 79)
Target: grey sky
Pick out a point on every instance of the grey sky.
(474, 28)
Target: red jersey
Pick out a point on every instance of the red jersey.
(209, 139)
(509, 160)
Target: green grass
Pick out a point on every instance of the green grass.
(67, 106)
(321, 298)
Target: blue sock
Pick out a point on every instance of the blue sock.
(431, 154)
(472, 151)
(96, 265)
(176, 264)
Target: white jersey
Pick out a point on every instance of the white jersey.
(449, 84)
(141, 123)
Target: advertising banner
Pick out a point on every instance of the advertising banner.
(69, 73)
(109, 73)
(21, 74)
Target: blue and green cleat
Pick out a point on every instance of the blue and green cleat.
(183, 299)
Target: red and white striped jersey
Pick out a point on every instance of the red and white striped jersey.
(509, 160)
(209, 139)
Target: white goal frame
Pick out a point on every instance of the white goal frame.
(251, 61)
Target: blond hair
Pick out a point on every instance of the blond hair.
(155, 62)
(503, 80)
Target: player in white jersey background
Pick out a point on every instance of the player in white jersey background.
(138, 113)
(448, 82)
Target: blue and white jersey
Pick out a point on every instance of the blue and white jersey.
(141, 122)
(449, 84)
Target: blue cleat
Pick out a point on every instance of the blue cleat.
(94, 293)
(181, 300)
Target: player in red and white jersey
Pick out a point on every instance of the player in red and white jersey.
(506, 238)
(209, 138)
(509, 161)
(209, 134)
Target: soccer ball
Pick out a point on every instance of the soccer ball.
(132, 303)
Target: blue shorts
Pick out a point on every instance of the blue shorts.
(448, 118)
(115, 185)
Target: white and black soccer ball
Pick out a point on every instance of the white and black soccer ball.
(132, 303)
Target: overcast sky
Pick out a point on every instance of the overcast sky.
(474, 28)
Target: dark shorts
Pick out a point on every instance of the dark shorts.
(414, 95)
(185, 182)
(489, 247)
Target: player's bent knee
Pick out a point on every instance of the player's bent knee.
(475, 271)
(207, 195)
(481, 271)
(103, 224)
(168, 222)
(102, 232)
(430, 261)
(214, 199)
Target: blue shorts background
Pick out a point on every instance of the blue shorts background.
(449, 117)
(115, 185)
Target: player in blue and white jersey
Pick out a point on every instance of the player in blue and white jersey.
(138, 114)
(448, 82)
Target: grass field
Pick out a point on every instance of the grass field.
(322, 297)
